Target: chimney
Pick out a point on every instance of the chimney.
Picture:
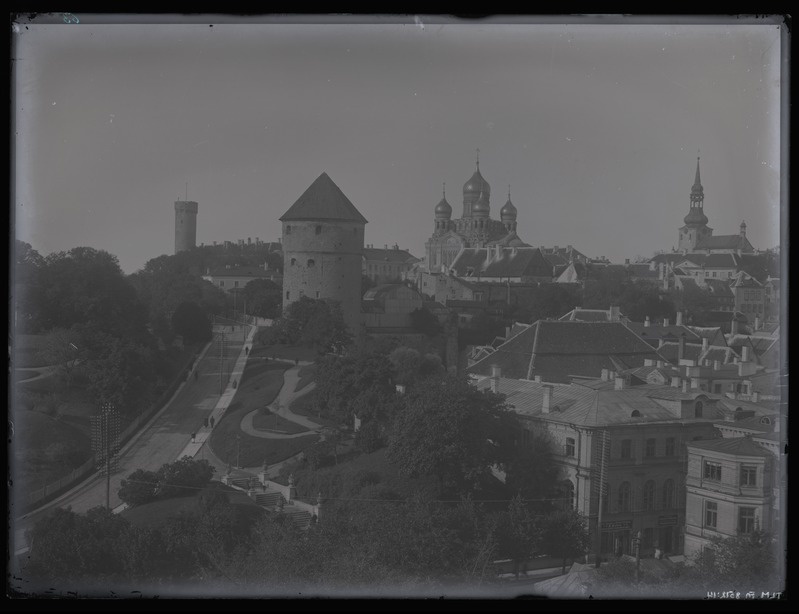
(496, 373)
(646, 321)
(385, 245)
(716, 365)
(745, 353)
(659, 364)
(675, 381)
(666, 321)
(660, 343)
(734, 326)
(498, 251)
(681, 349)
(547, 402)
(249, 240)
(685, 384)
(611, 375)
(618, 383)
(537, 379)
(679, 318)
(604, 375)
(396, 246)
(755, 396)
(627, 261)
(614, 313)
(705, 344)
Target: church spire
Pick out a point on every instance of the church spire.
(697, 191)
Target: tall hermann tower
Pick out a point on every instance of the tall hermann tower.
(185, 225)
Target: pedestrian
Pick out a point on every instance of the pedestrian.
(193, 436)
(246, 351)
(212, 422)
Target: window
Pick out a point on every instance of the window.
(287, 295)
(669, 446)
(668, 494)
(288, 230)
(698, 409)
(624, 497)
(711, 514)
(713, 471)
(649, 495)
(748, 475)
(569, 446)
(626, 448)
(318, 229)
(311, 262)
(605, 500)
(650, 447)
(746, 520)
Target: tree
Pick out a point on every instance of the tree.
(565, 535)
(181, 477)
(451, 430)
(532, 474)
(61, 348)
(742, 560)
(264, 298)
(191, 322)
(517, 533)
(139, 487)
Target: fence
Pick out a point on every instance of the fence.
(52, 489)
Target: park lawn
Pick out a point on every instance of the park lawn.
(307, 375)
(256, 391)
(46, 449)
(268, 421)
(303, 406)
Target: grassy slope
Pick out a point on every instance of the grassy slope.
(269, 421)
(307, 375)
(259, 386)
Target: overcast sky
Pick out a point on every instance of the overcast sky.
(595, 127)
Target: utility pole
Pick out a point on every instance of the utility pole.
(221, 361)
(105, 443)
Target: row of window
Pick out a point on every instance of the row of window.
(318, 229)
(747, 475)
(649, 501)
(746, 517)
(650, 448)
(751, 308)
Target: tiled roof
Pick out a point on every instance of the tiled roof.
(323, 200)
(509, 240)
(389, 255)
(742, 280)
(670, 257)
(642, 270)
(658, 331)
(585, 405)
(512, 262)
(724, 242)
(719, 287)
(735, 446)
(707, 332)
(557, 350)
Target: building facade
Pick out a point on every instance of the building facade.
(322, 244)
(388, 264)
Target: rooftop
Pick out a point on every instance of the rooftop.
(323, 200)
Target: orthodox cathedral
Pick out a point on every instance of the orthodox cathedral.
(474, 228)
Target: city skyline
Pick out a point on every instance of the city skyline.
(596, 128)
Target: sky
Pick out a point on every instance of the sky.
(595, 127)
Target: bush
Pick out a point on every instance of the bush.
(370, 437)
(319, 455)
(139, 488)
(183, 476)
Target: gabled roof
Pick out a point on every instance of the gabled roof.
(642, 270)
(588, 315)
(719, 288)
(735, 446)
(509, 240)
(512, 262)
(654, 332)
(389, 255)
(742, 280)
(323, 200)
(557, 350)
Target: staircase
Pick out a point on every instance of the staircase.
(243, 483)
(300, 518)
(268, 499)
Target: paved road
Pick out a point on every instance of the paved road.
(162, 440)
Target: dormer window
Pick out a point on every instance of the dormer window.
(635, 414)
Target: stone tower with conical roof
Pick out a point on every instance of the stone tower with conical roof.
(696, 227)
(323, 236)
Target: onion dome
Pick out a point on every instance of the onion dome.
(477, 184)
(695, 216)
(508, 212)
(443, 208)
(481, 208)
